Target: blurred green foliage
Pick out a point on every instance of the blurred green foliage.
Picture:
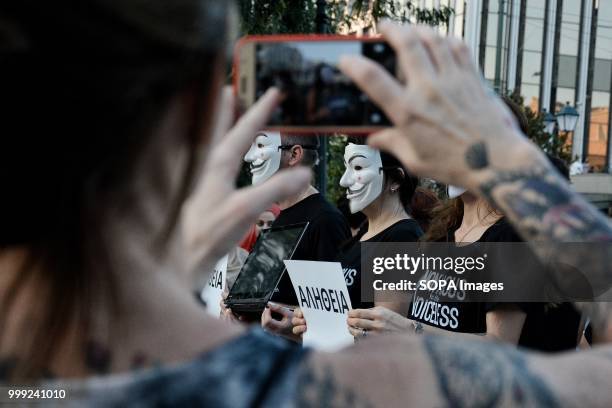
(335, 166)
(555, 144)
(332, 16)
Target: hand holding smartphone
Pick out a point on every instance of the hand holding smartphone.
(317, 97)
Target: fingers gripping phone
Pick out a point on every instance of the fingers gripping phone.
(316, 96)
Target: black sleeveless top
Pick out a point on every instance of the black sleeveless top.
(255, 369)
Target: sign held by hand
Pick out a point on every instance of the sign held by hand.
(323, 297)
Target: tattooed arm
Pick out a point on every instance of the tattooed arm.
(449, 127)
(558, 222)
(439, 371)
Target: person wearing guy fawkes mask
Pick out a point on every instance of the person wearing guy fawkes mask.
(327, 228)
(378, 186)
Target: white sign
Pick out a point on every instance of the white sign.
(323, 297)
(213, 291)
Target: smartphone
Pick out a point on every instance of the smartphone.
(317, 97)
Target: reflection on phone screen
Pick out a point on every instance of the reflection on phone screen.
(315, 92)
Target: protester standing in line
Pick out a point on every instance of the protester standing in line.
(379, 187)
(327, 227)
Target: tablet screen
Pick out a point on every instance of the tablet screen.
(264, 265)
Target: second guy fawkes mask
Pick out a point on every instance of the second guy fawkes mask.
(363, 177)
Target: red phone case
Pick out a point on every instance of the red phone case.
(355, 130)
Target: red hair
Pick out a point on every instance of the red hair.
(248, 241)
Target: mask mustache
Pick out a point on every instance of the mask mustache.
(254, 166)
(352, 193)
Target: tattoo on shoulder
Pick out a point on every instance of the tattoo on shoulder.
(485, 375)
(318, 387)
(97, 357)
(7, 365)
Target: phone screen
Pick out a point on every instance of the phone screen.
(315, 92)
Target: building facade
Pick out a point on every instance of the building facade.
(551, 52)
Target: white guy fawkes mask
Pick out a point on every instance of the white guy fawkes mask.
(264, 156)
(455, 191)
(363, 177)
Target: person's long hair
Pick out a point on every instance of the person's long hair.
(422, 205)
(84, 84)
(446, 217)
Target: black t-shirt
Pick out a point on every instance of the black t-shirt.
(350, 256)
(540, 330)
(552, 328)
(327, 230)
(547, 327)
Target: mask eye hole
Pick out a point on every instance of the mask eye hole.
(260, 145)
(358, 168)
